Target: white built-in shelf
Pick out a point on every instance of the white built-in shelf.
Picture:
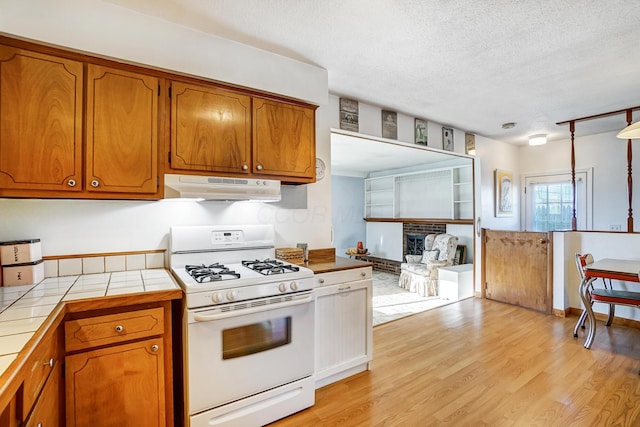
(445, 193)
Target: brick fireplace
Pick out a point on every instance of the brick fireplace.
(413, 236)
(417, 233)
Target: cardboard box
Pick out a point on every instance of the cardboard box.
(23, 274)
(20, 252)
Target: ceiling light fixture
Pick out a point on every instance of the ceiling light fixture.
(540, 139)
(508, 125)
(630, 132)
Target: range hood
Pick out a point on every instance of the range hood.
(219, 188)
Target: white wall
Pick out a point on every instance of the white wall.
(607, 155)
(384, 240)
(113, 31)
(497, 155)
(90, 226)
(370, 123)
(347, 200)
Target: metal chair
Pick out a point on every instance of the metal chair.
(581, 262)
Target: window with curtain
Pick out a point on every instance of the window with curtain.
(549, 202)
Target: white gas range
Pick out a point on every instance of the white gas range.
(248, 326)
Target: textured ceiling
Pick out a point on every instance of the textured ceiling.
(473, 65)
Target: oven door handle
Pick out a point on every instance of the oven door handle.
(241, 312)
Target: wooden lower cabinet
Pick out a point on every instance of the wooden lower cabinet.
(100, 362)
(47, 410)
(34, 394)
(117, 386)
(115, 367)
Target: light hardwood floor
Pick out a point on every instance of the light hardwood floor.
(484, 363)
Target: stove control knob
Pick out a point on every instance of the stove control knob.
(294, 286)
(216, 298)
(231, 295)
(282, 287)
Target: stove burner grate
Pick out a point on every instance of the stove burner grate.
(270, 267)
(211, 273)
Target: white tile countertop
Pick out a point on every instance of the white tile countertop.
(24, 308)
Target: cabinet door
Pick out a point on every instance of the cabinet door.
(343, 327)
(47, 410)
(284, 141)
(122, 131)
(40, 121)
(117, 386)
(210, 129)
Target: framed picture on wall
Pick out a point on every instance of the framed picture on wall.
(504, 193)
(389, 124)
(447, 138)
(470, 144)
(421, 132)
(349, 114)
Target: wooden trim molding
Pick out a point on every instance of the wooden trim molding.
(561, 313)
(105, 254)
(422, 220)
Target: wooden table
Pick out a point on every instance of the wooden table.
(616, 269)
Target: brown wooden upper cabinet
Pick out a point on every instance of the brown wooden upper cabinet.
(122, 131)
(40, 121)
(210, 129)
(284, 140)
(42, 152)
(76, 126)
(214, 130)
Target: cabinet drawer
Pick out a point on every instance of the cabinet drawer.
(113, 328)
(38, 368)
(343, 276)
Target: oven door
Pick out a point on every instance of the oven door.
(240, 349)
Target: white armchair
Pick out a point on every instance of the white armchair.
(420, 273)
